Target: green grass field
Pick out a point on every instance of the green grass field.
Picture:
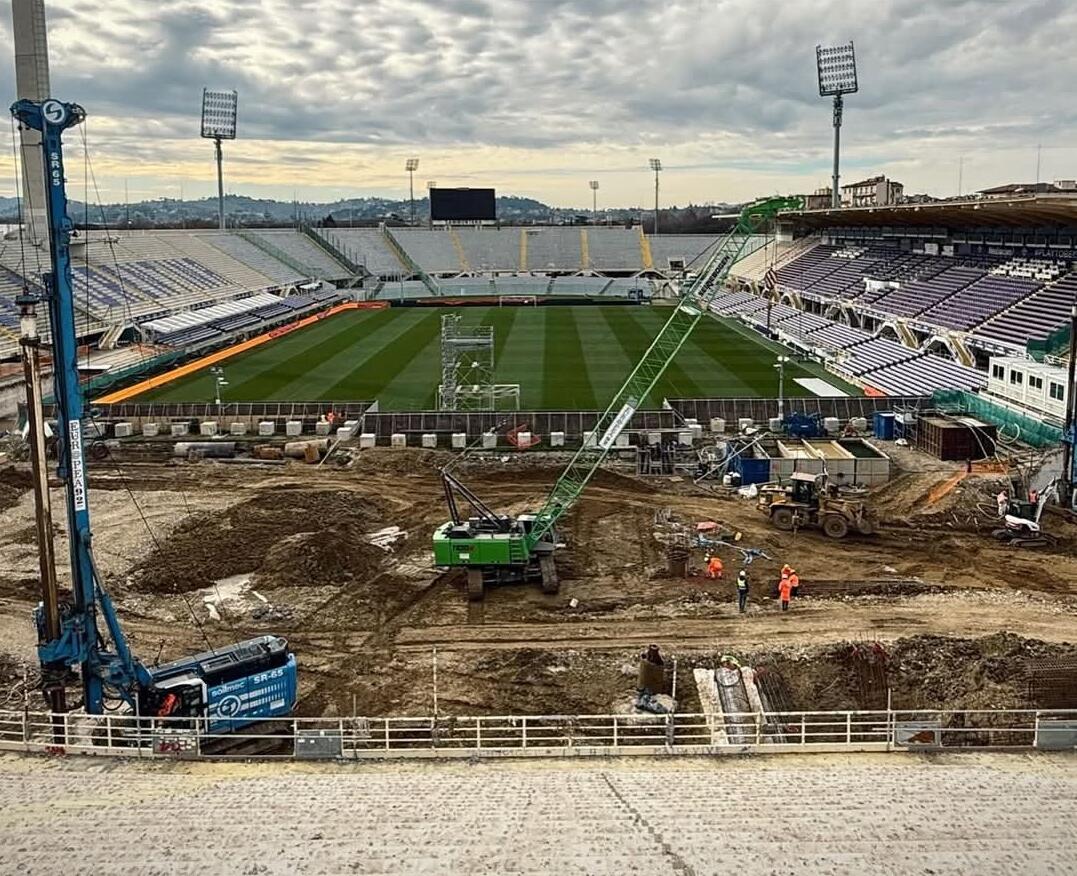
(564, 358)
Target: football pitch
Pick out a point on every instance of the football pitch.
(563, 358)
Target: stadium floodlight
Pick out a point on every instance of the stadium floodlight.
(656, 166)
(837, 77)
(594, 199)
(779, 365)
(219, 110)
(411, 165)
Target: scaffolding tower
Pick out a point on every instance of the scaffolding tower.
(467, 370)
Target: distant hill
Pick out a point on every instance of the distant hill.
(244, 211)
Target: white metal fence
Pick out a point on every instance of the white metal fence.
(354, 738)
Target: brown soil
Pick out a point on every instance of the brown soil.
(955, 611)
(14, 482)
(286, 536)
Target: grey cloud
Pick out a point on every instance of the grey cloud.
(558, 73)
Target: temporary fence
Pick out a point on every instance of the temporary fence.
(357, 738)
(473, 423)
(1012, 426)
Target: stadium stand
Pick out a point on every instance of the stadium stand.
(367, 247)
(613, 249)
(554, 249)
(492, 249)
(304, 251)
(433, 251)
(670, 250)
(246, 253)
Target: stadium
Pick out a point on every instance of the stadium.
(347, 498)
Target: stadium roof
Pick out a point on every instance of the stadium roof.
(1026, 211)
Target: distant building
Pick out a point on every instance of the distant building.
(1011, 190)
(878, 191)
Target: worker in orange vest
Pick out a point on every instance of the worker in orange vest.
(785, 589)
(714, 566)
(794, 583)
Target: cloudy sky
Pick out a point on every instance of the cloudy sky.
(536, 97)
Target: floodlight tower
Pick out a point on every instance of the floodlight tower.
(219, 123)
(837, 77)
(594, 200)
(656, 166)
(430, 186)
(411, 166)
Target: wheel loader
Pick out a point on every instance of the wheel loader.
(811, 501)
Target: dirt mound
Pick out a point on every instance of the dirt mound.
(336, 554)
(13, 484)
(922, 672)
(293, 536)
(953, 499)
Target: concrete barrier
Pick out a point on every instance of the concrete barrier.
(489, 440)
(430, 440)
(237, 429)
(622, 440)
(323, 427)
(718, 425)
(123, 430)
(685, 438)
(207, 428)
(179, 429)
(293, 428)
(557, 439)
(654, 438)
(150, 430)
(266, 428)
(367, 440)
(398, 439)
(459, 440)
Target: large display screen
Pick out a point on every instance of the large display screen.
(462, 205)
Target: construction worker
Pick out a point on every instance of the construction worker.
(785, 589)
(787, 570)
(714, 566)
(742, 590)
(794, 583)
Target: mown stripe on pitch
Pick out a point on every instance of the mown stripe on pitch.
(283, 373)
(566, 383)
(381, 375)
(519, 352)
(246, 373)
(608, 363)
(331, 369)
(635, 336)
(732, 367)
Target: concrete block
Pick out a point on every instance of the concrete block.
(207, 428)
(718, 425)
(367, 440)
(697, 432)
(430, 440)
(398, 439)
(124, 430)
(150, 430)
(557, 439)
(621, 440)
(265, 428)
(323, 427)
(831, 425)
(293, 428)
(237, 429)
(685, 437)
(654, 438)
(523, 439)
(345, 433)
(459, 440)
(179, 429)
(489, 440)
(745, 423)
(589, 439)
(93, 429)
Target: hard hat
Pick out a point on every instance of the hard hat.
(787, 568)
(743, 573)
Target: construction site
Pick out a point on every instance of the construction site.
(928, 612)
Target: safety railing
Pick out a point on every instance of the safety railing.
(362, 738)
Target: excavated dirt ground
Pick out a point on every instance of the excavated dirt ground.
(200, 554)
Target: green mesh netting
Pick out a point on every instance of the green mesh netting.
(1012, 426)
